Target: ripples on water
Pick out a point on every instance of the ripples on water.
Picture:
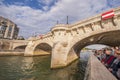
(38, 68)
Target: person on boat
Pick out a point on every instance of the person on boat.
(115, 67)
(109, 58)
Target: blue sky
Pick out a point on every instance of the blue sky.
(39, 16)
(35, 4)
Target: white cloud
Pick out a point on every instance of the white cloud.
(96, 46)
(35, 20)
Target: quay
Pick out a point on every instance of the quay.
(11, 53)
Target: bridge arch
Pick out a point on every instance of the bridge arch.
(43, 48)
(20, 48)
(38, 47)
(109, 38)
(15, 44)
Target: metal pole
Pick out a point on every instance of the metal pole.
(67, 20)
(57, 22)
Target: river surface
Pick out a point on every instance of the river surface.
(38, 68)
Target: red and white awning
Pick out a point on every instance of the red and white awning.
(108, 15)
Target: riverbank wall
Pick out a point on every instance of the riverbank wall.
(10, 53)
(95, 70)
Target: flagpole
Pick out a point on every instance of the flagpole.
(67, 20)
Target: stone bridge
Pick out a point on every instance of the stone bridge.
(6, 44)
(65, 41)
(14, 44)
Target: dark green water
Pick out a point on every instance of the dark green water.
(38, 68)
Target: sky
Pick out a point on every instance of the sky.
(96, 46)
(39, 16)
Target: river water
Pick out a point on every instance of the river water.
(38, 68)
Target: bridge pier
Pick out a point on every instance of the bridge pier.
(29, 51)
(61, 56)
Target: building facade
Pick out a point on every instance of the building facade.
(8, 29)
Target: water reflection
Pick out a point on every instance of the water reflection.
(60, 75)
(38, 68)
(27, 63)
(84, 56)
(27, 68)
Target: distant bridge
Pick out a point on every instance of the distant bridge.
(13, 44)
(18, 43)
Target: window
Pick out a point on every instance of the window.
(3, 28)
(10, 28)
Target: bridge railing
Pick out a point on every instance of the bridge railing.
(97, 71)
(85, 22)
(44, 36)
(93, 19)
(85, 26)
